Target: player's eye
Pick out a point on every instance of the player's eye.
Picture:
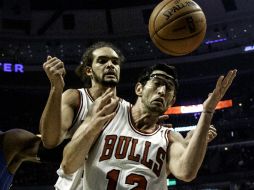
(115, 61)
(156, 82)
(102, 60)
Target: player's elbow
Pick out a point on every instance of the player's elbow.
(67, 168)
(185, 173)
(187, 176)
(49, 144)
(69, 163)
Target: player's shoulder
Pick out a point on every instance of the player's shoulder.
(175, 136)
(71, 91)
(71, 96)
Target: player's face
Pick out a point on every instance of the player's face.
(158, 92)
(106, 67)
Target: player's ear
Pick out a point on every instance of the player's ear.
(88, 71)
(138, 89)
(173, 101)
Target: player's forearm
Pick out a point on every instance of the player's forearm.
(50, 122)
(75, 152)
(193, 156)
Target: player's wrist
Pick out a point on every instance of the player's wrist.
(56, 87)
(208, 111)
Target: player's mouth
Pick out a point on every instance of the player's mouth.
(159, 101)
(110, 74)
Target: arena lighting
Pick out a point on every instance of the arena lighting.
(12, 67)
(171, 182)
(197, 108)
(182, 129)
(249, 48)
(215, 41)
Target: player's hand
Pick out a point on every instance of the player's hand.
(55, 71)
(212, 133)
(221, 88)
(210, 136)
(102, 110)
(161, 120)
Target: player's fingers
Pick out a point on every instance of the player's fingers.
(105, 94)
(57, 69)
(60, 72)
(162, 118)
(57, 65)
(108, 117)
(214, 133)
(64, 72)
(210, 137)
(219, 81)
(52, 59)
(109, 107)
(106, 97)
(55, 62)
(101, 102)
(52, 62)
(227, 81)
(49, 57)
(230, 77)
(212, 128)
(231, 74)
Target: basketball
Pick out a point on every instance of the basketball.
(177, 27)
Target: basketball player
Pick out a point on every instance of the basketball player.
(100, 69)
(125, 148)
(64, 112)
(19, 145)
(16, 146)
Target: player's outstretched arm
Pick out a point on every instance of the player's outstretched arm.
(184, 162)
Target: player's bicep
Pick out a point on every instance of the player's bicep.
(175, 152)
(179, 138)
(70, 102)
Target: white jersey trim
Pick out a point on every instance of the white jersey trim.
(139, 132)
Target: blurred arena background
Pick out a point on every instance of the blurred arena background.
(31, 30)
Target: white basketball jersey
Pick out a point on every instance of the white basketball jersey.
(123, 158)
(85, 102)
(73, 182)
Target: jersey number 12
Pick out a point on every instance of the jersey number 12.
(131, 179)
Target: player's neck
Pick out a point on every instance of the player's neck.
(97, 91)
(143, 120)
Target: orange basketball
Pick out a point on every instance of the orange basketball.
(177, 27)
